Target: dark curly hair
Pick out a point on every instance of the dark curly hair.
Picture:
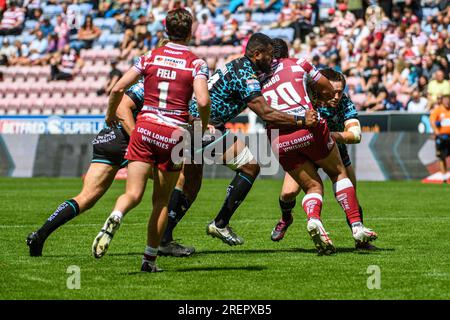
(333, 75)
(280, 48)
(179, 24)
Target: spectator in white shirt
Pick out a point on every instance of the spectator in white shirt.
(248, 26)
(7, 52)
(417, 103)
(38, 48)
(229, 28)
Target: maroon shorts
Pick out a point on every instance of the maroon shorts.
(294, 147)
(153, 142)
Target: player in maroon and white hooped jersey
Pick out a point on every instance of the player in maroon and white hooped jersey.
(300, 150)
(172, 73)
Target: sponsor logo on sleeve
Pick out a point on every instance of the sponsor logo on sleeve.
(253, 85)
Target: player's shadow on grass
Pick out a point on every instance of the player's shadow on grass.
(264, 251)
(289, 250)
(244, 268)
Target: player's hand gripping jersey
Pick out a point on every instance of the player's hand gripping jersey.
(286, 91)
(230, 89)
(169, 73)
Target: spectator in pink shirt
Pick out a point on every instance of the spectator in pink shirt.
(205, 35)
(62, 31)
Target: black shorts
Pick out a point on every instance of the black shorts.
(110, 146)
(442, 147)
(138, 102)
(344, 155)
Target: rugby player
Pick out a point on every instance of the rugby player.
(172, 73)
(342, 119)
(300, 150)
(109, 147)
(233, 88)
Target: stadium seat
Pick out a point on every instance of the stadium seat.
(3, 106)
(52, 10)
(219, 20)
(111, 24)
(12, 105)
(21, 95)
(214, 51)
(26, 38)
(239, 17)
(98, 22)
(85, 8)
(30, 24)
(200, 51)
(287, 34)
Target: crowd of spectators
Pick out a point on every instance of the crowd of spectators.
(395, 53)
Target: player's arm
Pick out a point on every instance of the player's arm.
(319, 83)
(351, 134)
(433, 118)
(201, 75)
(125, 113)
(271, 116)
(203, 101)
(116, 95)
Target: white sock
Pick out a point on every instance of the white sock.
(357, 225)
(150, 254)
(117, 213)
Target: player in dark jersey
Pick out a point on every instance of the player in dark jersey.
(172, 74)
(232, 89)
(299, 150)
(109, 147)
(342, 119)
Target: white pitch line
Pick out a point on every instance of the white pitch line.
(240, 221)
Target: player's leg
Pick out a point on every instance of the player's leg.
(308, 179)
(442, 152)
(97, 181)
(287, 201)
(345, 194)
(163, 184)
(180, 201)
(239, 158)
(352, 176)
(138, 173)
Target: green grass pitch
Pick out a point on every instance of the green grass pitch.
(412, 219)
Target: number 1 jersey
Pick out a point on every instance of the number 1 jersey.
(169, 73)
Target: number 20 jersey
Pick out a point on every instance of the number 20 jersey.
(169, 73)
(285, 90)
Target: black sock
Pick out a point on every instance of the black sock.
(236, 193)
(286, 209)
(178, 206)
(66, 211)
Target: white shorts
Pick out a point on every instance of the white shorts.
(243, 158)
